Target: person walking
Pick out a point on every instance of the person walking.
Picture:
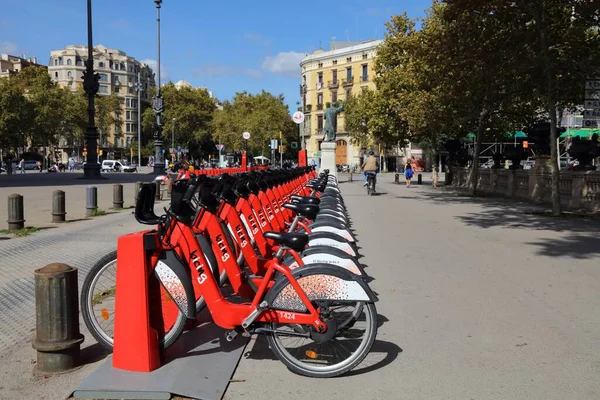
(22, 165)
(435, 177)
(408, 173)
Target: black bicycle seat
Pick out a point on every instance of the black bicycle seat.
(309, 211)
(306, 199)
(293, 240)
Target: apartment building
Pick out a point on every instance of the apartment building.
(118, 74)
(328, 77)
(13, 64)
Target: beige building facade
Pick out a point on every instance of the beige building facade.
(329, 77)
(13, 64)
(118, 74)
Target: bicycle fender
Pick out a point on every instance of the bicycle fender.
(173, 276)
(319, 282)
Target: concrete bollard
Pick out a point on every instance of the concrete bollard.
(138, 186)
(118, 196)
(58, 206)
(16, 214)
(91, 200)
(350, 178)
(57, 337)
(396, 178)
(419, 179)
(157, 196)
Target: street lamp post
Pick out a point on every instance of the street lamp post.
(91, 169)
(173, 137)
(158, 104)
(138, 87)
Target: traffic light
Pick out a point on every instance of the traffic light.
(525, 144)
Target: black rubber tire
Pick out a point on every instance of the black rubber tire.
(87, 313)
(274, 345)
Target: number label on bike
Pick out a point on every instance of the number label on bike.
(286, 315)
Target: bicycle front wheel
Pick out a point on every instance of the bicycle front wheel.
(98, 305)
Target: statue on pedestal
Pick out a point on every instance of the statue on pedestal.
(330, 115)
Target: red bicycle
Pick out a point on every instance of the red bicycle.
(311, 304)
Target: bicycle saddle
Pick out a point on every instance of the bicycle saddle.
(309, 211)
(293, 240)
(306, 199)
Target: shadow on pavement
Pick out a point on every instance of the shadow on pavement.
(93, 353)
(509, 213)
(576, 246)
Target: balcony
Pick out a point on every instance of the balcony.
(348, 81)
(333, 84)
(364, 78)
(308, 108)
(319, 106)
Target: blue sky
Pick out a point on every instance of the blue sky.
(227, 46)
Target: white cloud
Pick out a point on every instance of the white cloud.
(8, 47)
(164, 74)
(257, 38)
(285, 63)
(214, 70)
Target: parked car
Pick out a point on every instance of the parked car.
(29, 165)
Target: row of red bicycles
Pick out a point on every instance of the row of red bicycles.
(266, 252)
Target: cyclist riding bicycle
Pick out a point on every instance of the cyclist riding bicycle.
(371, 166)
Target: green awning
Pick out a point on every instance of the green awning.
(519, 134)
(581, 133)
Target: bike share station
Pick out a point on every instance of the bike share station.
(202, 361)
(199, 365)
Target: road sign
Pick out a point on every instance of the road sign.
(219, 147)
(246, 135)
(298, 117)
(179, 149)
(274, 144)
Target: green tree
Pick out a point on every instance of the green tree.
(263, 115)
(108, 110)
(16, 115)
(188, 114)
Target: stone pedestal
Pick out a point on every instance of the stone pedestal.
(328, 157)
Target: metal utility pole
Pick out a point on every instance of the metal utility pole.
(173, 137)
(91, 169)
(158, 104)
(139, 118)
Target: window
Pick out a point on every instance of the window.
(134, 103)
(334, 76)
(117, 89)
(110, 64)
(365, 72)
(334, 97)
(334, 62)
(69, 62)
(55, 61)
(319, 122)
(56, 75)
(127, 100)
(349, 74)
(304, 79)
(60, 61)
(134, 115)
(320, 98)
(103, 89)
(103, 78)
(130, 90)
(127, 129)
(131, 79)
(128, 115)
(122, 66)
(116, 78)
(349, 59)
(101, 64)
(69, 74)
(78, 62)
(130, 68)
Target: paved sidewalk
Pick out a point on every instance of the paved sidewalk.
(479, 299)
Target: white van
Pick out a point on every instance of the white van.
(111, 166)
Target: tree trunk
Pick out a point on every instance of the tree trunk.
(551, 105)
(477, 150)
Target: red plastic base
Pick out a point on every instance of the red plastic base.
(135, 341)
